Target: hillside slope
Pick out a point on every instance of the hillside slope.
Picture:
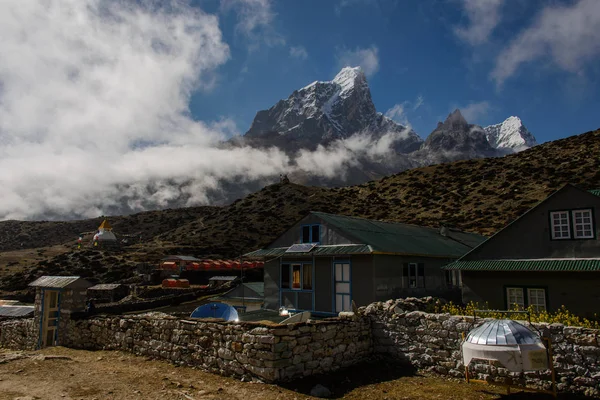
(480, 195)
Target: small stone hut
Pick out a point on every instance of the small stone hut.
(107, 292)
(56, 297)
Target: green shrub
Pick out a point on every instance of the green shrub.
(561, 316)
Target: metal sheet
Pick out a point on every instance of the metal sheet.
(571, 264)
(15, 311)
(501, 332)
(54, 281)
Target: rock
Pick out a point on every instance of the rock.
(320, 391)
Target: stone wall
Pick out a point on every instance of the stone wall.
(432, 342)
(245, 350)
(20, 334)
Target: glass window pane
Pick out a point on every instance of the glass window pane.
(285, 276)
(346, 303)
(338, 303)
(346, 272)
(295, 276)
(342, 287)
(316, 234)
(307, 276)
(338, 272)
(306, 234)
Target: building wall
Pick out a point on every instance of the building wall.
(324, 284)
(362, 279)
(530, 236)
(271, 279)
(578, 291)
(293, 235)
(389, 282)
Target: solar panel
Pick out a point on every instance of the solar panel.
(301, 248)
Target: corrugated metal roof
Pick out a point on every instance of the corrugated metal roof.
(567, 264)
(105, 286)
(595, 192)
(344, 249)
(500, 332)
(395, 237)
(222, 278)
(16, 311)
(258, 287)
(54, 281)
(181, 258)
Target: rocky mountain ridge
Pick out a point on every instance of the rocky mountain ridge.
(324, 111)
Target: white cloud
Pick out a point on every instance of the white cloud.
(484, 16)
(474, 111)
(255, 18)
(94, 107)
(94, 110)
(367, 59)
(298, 52)
(350, 3)
(397, 113)
(567, 35)
(419, 102)
(335, 159)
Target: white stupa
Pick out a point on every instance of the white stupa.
(105, 236)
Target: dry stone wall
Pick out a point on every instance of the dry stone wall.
(246, 350)
(20, 334)
(432, 342)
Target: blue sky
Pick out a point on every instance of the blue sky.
(491, 58)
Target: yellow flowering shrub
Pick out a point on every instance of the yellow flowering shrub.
(561, 316)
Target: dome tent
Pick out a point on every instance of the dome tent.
(512, 344)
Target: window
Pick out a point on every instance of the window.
(414, 275)
(296, 276)
(582, 224)
(342, 286)
(307, 276)
(285, 276)
(537, 299)
(452, 278)
(311, 233)
(514, 297)
(559, 221)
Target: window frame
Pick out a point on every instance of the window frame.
(310, 233)
(525, 289)
(419, 275)
(290, 269)
(529, 289)
(509, 304)
(574, 224)
(552, 225)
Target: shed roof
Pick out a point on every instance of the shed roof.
(542, 264)
(105, 286)
(395, 237)
(325, 250)
(59, 282)
(16, 311)
(181, 258)
(223, 278)
(500, 332)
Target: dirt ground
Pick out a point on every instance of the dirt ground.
(60, 373)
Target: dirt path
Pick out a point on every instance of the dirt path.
(61, 373)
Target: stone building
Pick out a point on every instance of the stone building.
(56, 298)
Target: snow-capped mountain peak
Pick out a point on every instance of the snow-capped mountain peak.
(327, 110)
(510, 135)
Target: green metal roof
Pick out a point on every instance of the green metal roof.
(395, 237)
(545, 264)
(595, 191)
(345, 249)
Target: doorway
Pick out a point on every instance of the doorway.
(343, 294)
(50, 317)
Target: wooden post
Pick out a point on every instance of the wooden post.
(551, 363)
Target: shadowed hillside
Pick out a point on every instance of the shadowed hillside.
(477, 195)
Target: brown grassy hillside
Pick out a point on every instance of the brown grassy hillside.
(476, 195)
